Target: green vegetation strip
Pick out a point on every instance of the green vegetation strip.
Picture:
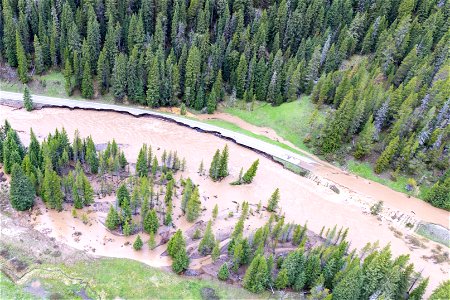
(112, 278)
(289, 120)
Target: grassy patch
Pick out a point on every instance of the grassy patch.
(365, 170)
(236, 128)
(127, 279)
(9, 290)
(289, 120)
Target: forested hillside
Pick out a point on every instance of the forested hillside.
(382, 64)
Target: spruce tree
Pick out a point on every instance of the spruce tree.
(256, 276)
(215, 164)
(365, 141)
(251, 172)
(223, 273)
(273, 200)
(151, 222)
(137, 245)
(119, 77)
(22, 63)
(223, 163)
(208, 241)
(38, 56)
(112, 219)
(385, 158)
(87, 86)
(21, 192)
(27, 101)
(193, 206)
(142, 163)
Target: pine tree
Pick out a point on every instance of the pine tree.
(137, 245)
(22, 63)
(214, 168)
(68, 80)
(385, 158)
(223, 273)
(151, 241)
(349, 287)
(21, 192)
(52, 188)
(27, 101)
(223, 163)
(193, 206)
(251, 172)
(256, 276)
(365, 141)
(241, 76)
(419, 291)
(112, 219)
(193, 65)
(215, 254)
(126, 228)
(215, 212)
(119, 77)
(87, 86)
(153, 94)
(282, 279)
(176, 248)
(122, 195)
(208, 241)
(142, 163)
(38, 56)
(273, 200)
(151, 222)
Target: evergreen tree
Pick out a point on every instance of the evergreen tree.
(153, 94)
(119, 77)
(365, 141)
(223, 273)
(215, 165)
(251, 172)
(215, 254)
(21, 192)
(112, 219)
(350, 285)
(223, 163)
(192, 74)
(151, 222)
(385, 158)
(282, 279)
(256, 276)
(22, 62)
(142, 163)
(38, 56)
(87, 85)
(208, 241)
(137, 245)
(193, 206)
(27, 101)
(273, 200)
(176, 248)
(68, 80)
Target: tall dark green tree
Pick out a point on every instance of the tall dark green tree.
(21, 193)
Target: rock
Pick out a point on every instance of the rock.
(334, 189)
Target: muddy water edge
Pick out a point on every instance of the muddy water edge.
(302, 200)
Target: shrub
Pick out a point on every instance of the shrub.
(137, 245)
(223, 273)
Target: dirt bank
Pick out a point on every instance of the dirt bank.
(301, 199)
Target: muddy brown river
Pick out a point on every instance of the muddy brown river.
(301, 198)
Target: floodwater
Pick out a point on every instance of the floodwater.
(302, 200)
